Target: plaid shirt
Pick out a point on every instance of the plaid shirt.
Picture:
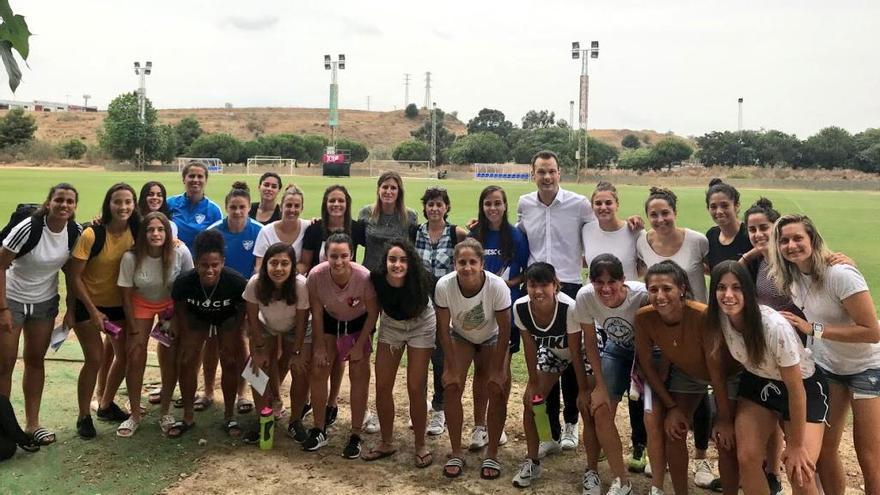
(436, 257)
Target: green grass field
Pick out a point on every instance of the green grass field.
(850, 222)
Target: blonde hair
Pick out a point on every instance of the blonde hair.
(783, 272)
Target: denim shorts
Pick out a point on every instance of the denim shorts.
(863, 385)
(682, 383)
(617, 362)
(490, 342)
(41, 311)
(419, 332)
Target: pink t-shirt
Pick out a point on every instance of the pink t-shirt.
(343, 303)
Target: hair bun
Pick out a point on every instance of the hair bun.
(715, 181)
(764, 202)
(240, 184)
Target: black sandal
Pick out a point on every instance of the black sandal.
(180, 428)
(232, 428)
(492, 466)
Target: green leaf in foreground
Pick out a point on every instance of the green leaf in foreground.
(12, 69)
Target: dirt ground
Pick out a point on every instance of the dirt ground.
(246, 469)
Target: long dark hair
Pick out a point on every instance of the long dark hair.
(266, 290)
(753, 333)
(325, 213)
(417, 283)
(671, 268)
(399, 204)
(43, 210)
(141, 247)
(107, 217)
(508, 247)
(145, 192)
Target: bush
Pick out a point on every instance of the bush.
(412, 111)
(16, 127)
(638, 159)
(359, 152)
(631, 141)
(480, 147)
(223, 146)
(411, 150)
(188, 129)
(73, 149)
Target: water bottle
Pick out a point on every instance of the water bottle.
(542, 421)
(267, 428)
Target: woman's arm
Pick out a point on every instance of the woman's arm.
(305, 261)
(460, 234)
(318, 348)
(77, 266)
(357, 352)
(70, 296)
(717, 362)
(658, 387)
(591, 348)
(6, 258)
(860, 308)
(797, 460)
(128, 308)
(499, 357)
(443, 332)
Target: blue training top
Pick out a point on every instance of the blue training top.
(192, 218)
(495, 264)
(240, 245)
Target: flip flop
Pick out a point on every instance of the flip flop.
(155, 396)
(166, 422)
(201, 403)
(178, 403)
(127, 428)
(244, 405)
(375, 455)
(232, 428)
(456, 464)
(43, 436)
(180, 428)
(492, 466)
(423, 461)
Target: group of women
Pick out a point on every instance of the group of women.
(785, 338)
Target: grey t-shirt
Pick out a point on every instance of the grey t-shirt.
(378, 232)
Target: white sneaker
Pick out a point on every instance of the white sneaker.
(648, 469)
(617, 488)
(528, 472)
(656, 491)
(592, 485)
(371, 423)
(437, 423)
(547, 448)
(503, 439)
(569, 438)
(479, 438)
(703, 474)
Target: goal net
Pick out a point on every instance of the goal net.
(214, 165)
(502, 172)
(408, 169)
(261, 164)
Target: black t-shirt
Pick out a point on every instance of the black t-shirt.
(399, 303)
(314, 237)
(211, 304)
(719, 252)
(276, 215)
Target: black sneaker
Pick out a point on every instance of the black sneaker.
(330, 416)
(297, 431)
(85, 428)
(315, 441)
(113, 413)
(307, 409)
(251, 438)
(353, 449)
(775, 485)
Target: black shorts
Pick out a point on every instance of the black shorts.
(514, 339)
(337, 328)
(113, 313)
(772, 395)
(231, 324)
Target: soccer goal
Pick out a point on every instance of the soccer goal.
(260, 164)
(213, 165)
(502, 172)
(408, 169)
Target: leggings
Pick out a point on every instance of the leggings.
(11, 433)
(702, 424)
(638, 435)
(437, 367)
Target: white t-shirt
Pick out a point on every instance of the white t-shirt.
(621, 243)
(33, 278)
(268, 236)
(618, 323)
(278, 317)
(148, 277)
(554, 336)
(473, 318)
(783, 346)
(823, 304)
(690, 257)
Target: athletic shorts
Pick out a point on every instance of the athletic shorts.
(144, 309)
(772, 394)
(681, 383)
(550, 362)
(41, 311)
(337, 328)
(113, 313)
(419, 332)
(617, 363)
(864, 385)
(231, 324)
(514, 337)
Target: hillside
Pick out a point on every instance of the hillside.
(384, 129)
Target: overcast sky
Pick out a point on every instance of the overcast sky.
(664, 65)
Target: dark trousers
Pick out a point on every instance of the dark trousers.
(11, 433)
(638, 434)
(437, 366)
(569, 387)
(703, 424)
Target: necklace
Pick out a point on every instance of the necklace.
(207, 296)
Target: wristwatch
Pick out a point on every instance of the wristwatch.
(818, 330)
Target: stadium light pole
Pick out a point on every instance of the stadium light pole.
(142, 73)
(570, 119)
(333, 66)
(584, 54)
(434, 135)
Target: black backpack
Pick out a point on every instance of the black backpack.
(25, 210)
(101, 236)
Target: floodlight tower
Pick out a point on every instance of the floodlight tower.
(434, 135)
(570, 119)
(739, 116)
(142, 73)
(333, 121)
(584, 54)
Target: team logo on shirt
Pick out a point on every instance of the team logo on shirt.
(618, 330)
(199, 218)
(472, 318)
(247, 245)
(353, 301)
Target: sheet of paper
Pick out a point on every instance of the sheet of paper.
(258, 380)
(59, 335)
(649, 399)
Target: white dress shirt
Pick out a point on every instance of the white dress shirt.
(554, 231)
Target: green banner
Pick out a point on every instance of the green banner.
(334, 105)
